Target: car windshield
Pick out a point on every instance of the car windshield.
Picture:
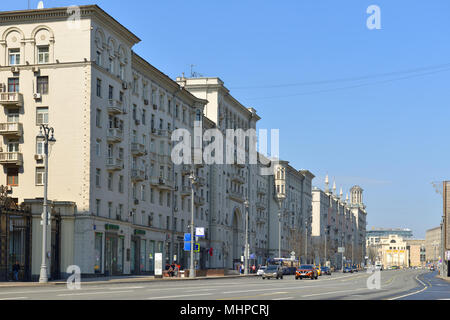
(272, 268)
(306, 267)
(262, 268)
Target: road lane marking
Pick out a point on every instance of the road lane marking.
(15, 298)
(287, 298)
(332, 292)
(416, 292)
(91, 293)
(256, 296)
(124, 288)
(180, 296)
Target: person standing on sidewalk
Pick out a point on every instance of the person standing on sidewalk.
(16, 270)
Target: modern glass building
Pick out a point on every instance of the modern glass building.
(385, 232)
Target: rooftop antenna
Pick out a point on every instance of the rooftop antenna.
(195, 74)
(40, 5)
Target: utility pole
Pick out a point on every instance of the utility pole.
(193, 182)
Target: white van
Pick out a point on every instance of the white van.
(378, 266)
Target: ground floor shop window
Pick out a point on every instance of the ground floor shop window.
(142, 255)
(151, 256)
(98, 253)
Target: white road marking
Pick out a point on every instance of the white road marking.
(416, 292)
(180, 296)
(332, 292)
(16, 298)
(287, 298)
(91, 293)
(124, 288)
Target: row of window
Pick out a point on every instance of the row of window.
(43, 55)
(42, 85)
(12, 176)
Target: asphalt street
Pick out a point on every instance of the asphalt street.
(393, 284)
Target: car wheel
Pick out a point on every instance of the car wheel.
(281, 277)
(296, 278)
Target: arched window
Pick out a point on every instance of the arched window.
(43, 40)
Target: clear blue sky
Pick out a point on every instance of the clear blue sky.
(389, 133)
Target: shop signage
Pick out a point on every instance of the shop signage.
(111, 227)
(141, 232)
(199, 232)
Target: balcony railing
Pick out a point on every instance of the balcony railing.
(238, 178)
(165, 184)
(115, 107)
(185, 191)
(14, 99)
(137, 149)
(114, 164)
(14, 158)
(137, 175)
(11, 129)
(199, 200)
(114, 135)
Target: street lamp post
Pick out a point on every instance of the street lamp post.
(280, 185)
(44, 134)
(246, 204)
(193, 179)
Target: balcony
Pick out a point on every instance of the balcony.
(165, 184)
(11, 99)
(11, 158)
(199, 200)
(262, 190)
(137, 175)
(236, 196)
(11, 129)
(114, 135)
(201, 181)
(137, 149)
(115, 107)
(114, 164)
(185, 191)
(161, 133)
(261, 204)
(237, 178)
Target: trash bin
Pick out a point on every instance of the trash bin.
(181, 272)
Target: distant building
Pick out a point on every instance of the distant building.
(433, 244)
(384, 232)
(417, 253)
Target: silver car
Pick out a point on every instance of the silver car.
(261, 270)
(273, 271)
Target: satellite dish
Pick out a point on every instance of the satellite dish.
(40, 5)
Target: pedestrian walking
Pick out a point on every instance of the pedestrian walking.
(16, 269)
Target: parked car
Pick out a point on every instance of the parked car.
(306, 271)
(273, 271)
(355, 268)
(325, 270)
(347, 270)
(261, 270)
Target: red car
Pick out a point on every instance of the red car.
(306, 271)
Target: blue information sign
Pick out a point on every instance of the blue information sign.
(187, 237)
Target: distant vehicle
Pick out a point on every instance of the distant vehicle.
(395, 267)
(261, 270)
(306, 271)
(347, 270)
(288, 270)
(325, 270)
(273, 271)
(354, 268)
(378, 266)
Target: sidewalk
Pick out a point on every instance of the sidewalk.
(113, 280)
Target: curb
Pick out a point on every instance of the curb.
(118, 281)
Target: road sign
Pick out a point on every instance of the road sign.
(187, 247)
(341, 249)
(199, 232)
(187, 237)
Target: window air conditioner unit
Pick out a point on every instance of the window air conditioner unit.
(38, 157)
(14, 69)
(36, 96)
(35, 69)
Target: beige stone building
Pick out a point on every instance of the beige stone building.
(116, 197)
(338, 222)
(433, 243)
(416, 250)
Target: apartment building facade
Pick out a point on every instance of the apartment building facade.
(338, 223)
(116, 197)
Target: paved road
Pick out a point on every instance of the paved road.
(402, 284)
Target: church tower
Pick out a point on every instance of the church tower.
(356, 195)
